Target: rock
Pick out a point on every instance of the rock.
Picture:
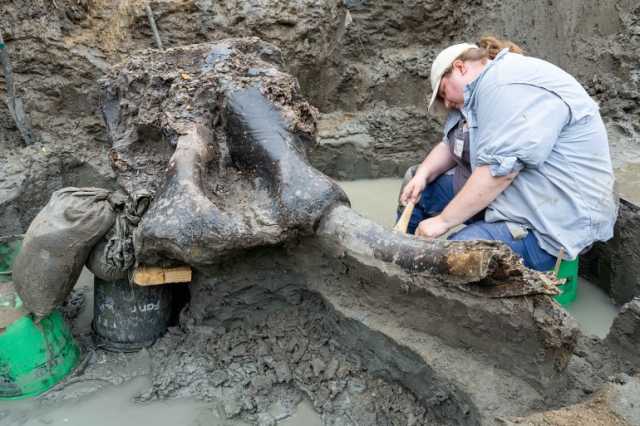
(262, 382)
(624, 335)
(266, 419)
(263, 347)
(239, 350)
(318, 366)
(615, 265)
(231, 405)
(300, 349)
(283, 373)
(357, 386)
(332, 369)
(218, 377)
(281, 410)
(615, 404)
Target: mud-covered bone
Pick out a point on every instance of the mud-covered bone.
(485, 268)
(238, 176)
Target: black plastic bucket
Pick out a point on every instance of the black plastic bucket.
(128, 317)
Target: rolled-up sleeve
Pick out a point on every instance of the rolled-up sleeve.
(518, 126)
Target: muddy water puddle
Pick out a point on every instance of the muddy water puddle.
(377, 199)
(114, 405)
(593, 309)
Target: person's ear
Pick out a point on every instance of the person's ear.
(459, 65)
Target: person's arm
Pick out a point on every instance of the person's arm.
(477, 193)
(437, 162)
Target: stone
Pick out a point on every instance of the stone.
(616, 404)
(218, 377)
(332, 369)
(231, 406)
(266, 419)
(615, 265)
(318, 366)
(624, 334)
(283, 373)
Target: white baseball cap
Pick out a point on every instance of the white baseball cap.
(442, 62)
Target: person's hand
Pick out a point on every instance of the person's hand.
(431, 228)
(413, 189)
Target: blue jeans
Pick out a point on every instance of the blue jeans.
(439, 193)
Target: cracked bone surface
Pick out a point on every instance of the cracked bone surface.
(219, 133)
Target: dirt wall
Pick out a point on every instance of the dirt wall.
(596, 41)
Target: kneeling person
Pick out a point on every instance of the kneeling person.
(533, 160)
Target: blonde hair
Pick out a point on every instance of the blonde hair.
(488, 48)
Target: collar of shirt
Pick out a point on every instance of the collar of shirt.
(453, 118)
(470, 89)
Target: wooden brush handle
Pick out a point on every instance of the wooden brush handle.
(403, 222)
(556, 268)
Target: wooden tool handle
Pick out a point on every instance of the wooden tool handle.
(556, 268)
(403, 222)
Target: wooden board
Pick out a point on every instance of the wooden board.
(156, 275)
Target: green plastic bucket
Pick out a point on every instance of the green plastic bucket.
(569, 290)
(33, 357)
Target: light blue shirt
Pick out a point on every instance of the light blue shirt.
(527, 115)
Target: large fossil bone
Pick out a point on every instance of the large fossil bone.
(216, 196)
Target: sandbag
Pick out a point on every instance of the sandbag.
(101, 265)
(114, 255)
(57, 244)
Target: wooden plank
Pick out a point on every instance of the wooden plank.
(148, 275)
(178, 275)
(157, 275)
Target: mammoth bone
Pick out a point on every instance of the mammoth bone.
(219, 134)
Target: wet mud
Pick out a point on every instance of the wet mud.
(259, 364)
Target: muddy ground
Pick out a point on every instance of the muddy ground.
(257, 371)
(364, 64)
